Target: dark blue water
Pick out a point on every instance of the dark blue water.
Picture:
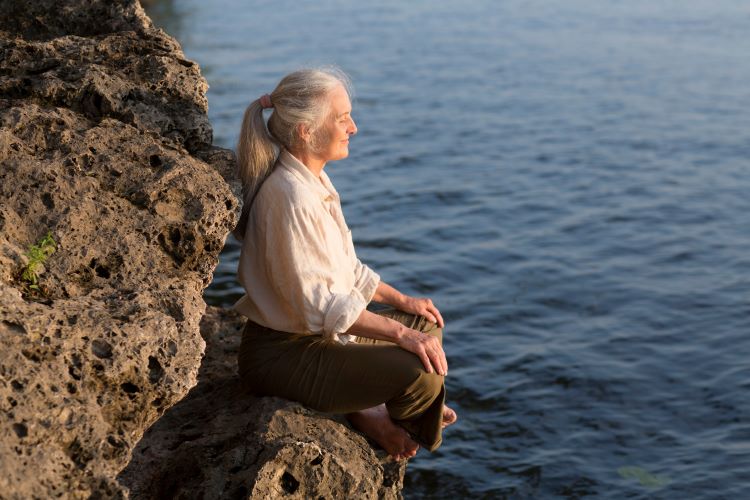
(570, 182)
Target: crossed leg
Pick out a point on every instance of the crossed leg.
(383, 388)
(376, 422)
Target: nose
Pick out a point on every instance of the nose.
(352, 127)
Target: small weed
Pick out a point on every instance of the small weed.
(38, 255)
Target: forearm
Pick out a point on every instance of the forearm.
(386, 294)
(426, 347)
(375, 326)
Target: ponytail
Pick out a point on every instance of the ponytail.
(256, 155)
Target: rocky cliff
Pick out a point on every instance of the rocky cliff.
(105, 145)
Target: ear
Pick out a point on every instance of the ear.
(303, 132)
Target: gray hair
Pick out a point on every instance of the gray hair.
(298, 99)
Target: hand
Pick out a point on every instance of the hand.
(423, 307)
(427, 348)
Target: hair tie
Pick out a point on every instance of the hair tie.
(265, 101)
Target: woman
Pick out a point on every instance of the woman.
(309, 336)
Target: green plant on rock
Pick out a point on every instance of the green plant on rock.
(38, 255)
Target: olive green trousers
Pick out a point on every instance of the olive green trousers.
(342, 378)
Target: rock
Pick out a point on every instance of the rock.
(104, 142)
(219, 442)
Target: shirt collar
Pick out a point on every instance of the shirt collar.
(324, 189)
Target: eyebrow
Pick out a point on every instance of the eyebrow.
(344, 113)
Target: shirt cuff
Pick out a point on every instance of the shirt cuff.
(342, 312)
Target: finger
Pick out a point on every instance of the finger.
(425, 361)
(438, 317)
(442, 361)
(437, 360)
(430, 316)
(427, 310)
(445, 362)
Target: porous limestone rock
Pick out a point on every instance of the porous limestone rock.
(219, 442)
(105, 143)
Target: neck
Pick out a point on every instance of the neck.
(313, 163)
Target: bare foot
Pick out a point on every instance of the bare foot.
(449, 416)
(377, 424)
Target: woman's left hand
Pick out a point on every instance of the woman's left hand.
(423, 307)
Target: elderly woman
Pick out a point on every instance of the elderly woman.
(309, 336)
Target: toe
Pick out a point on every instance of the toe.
(449, 416)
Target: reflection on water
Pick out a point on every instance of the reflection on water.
(568, 181)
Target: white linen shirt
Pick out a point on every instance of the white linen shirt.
(297, 263)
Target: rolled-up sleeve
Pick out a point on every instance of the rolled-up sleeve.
(342, 312)
(366, 280)
(304, 266)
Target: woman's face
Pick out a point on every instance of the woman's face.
(339, 125)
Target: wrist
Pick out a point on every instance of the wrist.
(399, 300)
(400, 332)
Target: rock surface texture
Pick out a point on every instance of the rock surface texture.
(219, 442)
(106, 145)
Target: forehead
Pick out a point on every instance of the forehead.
(340, 101)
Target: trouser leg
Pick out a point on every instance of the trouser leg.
(426, 419)
(338, 378)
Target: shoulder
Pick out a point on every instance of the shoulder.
(282, 192)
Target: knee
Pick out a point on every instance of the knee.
(437, 332)
(427, 386)
(417, 397)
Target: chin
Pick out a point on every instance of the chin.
(339, 154)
